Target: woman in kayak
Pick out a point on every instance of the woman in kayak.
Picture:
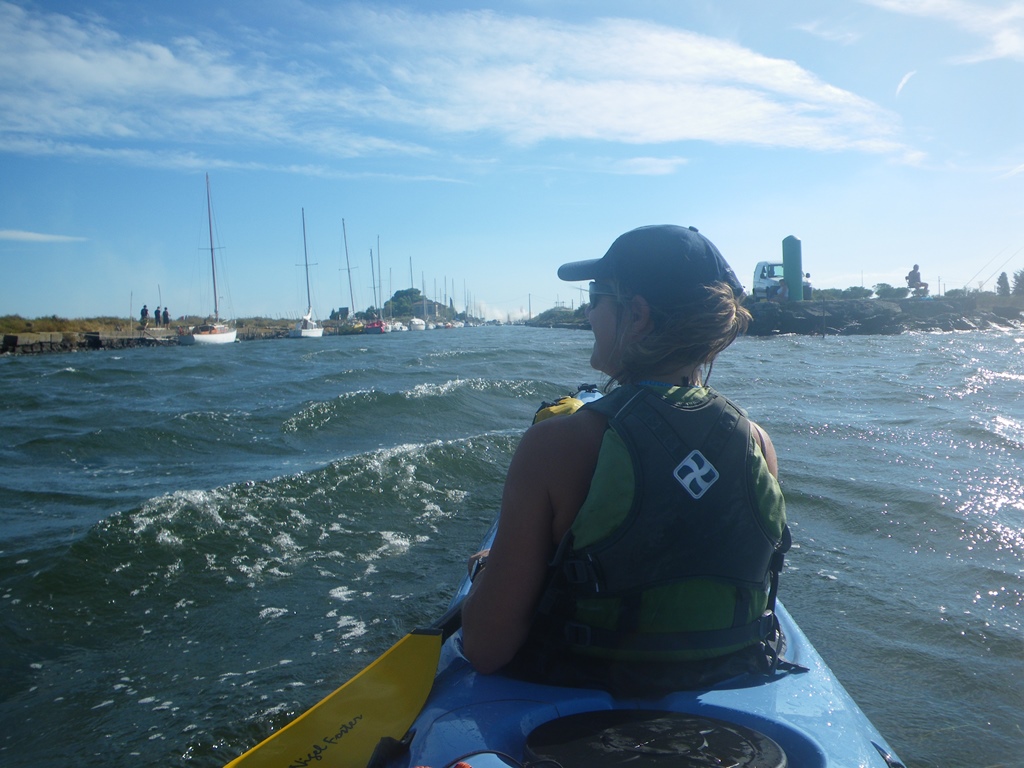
(640, 538)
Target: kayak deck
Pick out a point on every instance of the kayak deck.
(809, 714)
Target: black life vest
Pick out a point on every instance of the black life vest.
(676, 552)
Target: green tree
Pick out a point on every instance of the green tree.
(837, 294)
(886, 291)
(857, 292)
(405, 303)
(1003, 285)
(1018, 283)
(827, 294)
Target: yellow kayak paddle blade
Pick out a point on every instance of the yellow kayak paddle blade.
(343, 730)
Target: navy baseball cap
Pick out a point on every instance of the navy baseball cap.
(664, 263)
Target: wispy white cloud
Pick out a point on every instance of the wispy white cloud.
(829, 34)
(181, 159)
(1001, 24)
(399, 84)
(904, 81)
(62, 78)
(37, 237)
(616, 80)
(649, 166)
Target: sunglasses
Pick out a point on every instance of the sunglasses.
(597, 290)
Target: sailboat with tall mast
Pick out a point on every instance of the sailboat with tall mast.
(307, 327)
(378, 324)
(213, 331)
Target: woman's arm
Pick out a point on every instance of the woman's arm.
(767, 449)
(547, 482)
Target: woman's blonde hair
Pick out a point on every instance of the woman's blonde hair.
(691, 333)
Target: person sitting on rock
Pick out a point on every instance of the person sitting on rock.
(914, 282)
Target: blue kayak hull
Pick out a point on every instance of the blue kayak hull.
(484, 720)
(474, 717)
(809, 714)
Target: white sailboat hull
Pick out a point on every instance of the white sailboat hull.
(306, 328)
(209, 334)
(305, 333)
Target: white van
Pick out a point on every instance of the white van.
(766, 280)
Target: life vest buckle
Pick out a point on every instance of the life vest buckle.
(577, 571)
(576, 633)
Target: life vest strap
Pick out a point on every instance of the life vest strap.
(665, 642)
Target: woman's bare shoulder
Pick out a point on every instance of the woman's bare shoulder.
(767, 448)
(577, 430)
(563, 446)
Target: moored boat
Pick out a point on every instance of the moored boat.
(213, 331)
(307, 327)
(208, 333)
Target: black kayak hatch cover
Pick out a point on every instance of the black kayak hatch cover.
(641, 738)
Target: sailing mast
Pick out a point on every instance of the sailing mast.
(307, 327)
(373, 283)
(348, 268)
(207, 332)
(305, 254)
(213, 261)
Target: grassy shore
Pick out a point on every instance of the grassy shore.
(559, 318)
(54, 324)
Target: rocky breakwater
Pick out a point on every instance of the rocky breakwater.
(877, 316)
(36, 343)
(30, 342)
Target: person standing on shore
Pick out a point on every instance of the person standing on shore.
(167, 318)
(144, 317)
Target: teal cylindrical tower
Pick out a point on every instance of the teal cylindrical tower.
(793, 268)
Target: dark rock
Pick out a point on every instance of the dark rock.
(1008, 313)
(825, 317)
(875, 316)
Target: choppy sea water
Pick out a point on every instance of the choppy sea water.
(198, 544)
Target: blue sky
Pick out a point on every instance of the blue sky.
(482, 145)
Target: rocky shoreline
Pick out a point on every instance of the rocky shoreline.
(849, 317)
(878, 316)
(38, 343)
(853, 317)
